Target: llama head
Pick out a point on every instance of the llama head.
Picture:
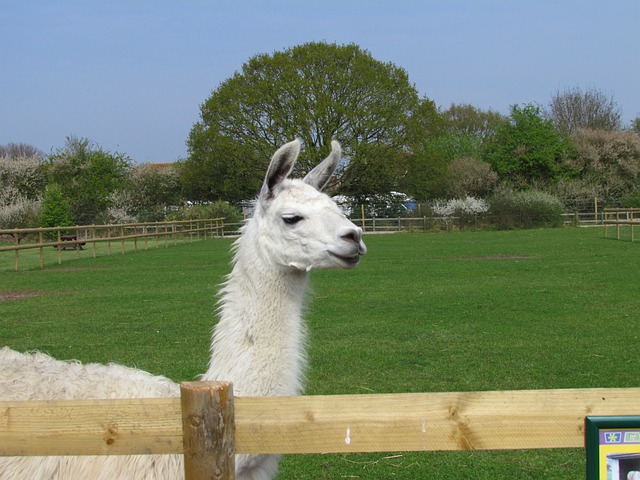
(300, 227)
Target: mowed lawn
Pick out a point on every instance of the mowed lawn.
(464, 311)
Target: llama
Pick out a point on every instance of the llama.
(258, 342)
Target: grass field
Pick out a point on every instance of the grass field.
(465, 311)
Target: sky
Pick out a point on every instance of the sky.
(130, 75)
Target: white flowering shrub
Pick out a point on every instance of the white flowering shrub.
(17, 211)
(457, 206)
(153, 191)
(465, 210)
(120, 207)
(22, 180)
(25, 175)
(21, 213)
(383, 205)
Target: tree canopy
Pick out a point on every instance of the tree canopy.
(470, 120)
(574, 109)
(527, 148)
(316, 92)
(88, 175)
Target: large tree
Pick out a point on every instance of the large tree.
(316, 92)
(88, 175)
(461, 133)
(574, 109)
(527, 148)
(21, 150)
(467, 119)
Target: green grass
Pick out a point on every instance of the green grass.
(522, 309)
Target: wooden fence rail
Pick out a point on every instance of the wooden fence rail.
(77, 237)
(620, 217)
(503, 420)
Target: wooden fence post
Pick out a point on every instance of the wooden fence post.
(17, 239)
(208, 429)
(93, 237)
(78, 247)
(41, 250)
(58, 247)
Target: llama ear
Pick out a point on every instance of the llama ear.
(320, 175)
(279, 168)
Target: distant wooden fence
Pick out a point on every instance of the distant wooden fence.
(426, 223)
(208, 425)
(79, 237)
(621, 217)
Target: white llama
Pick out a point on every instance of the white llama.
(257, 343)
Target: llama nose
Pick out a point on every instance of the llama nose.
(353, 234)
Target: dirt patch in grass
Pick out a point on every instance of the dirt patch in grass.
(76, 269)
(6, 297)
(483, 257)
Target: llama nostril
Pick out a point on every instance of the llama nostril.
(351, 236)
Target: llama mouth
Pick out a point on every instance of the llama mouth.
(350, 260)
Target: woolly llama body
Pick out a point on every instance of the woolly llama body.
(258, 343)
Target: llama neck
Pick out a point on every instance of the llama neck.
(258, 344)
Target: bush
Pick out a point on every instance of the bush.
(120, 209)
(88, 175)
(25, 175)
(608, 160)
(382, 205)
(469, 176)
(216, 209)
(21, 179)
(528, 148)
(17, 211)
(465, 210)
(152, 191)
(631, 201)
(576, 194)
(525, 209)
(55, 210)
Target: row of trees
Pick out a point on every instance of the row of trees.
(79, 184)
(393, 140)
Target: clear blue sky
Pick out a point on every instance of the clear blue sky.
(131, 75)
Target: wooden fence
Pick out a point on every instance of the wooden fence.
(208, 425)
(398, 224)
(424, 223)
(621, 217)
(88, 236)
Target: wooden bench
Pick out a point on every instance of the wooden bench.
(72, 238)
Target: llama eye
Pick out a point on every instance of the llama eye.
(292, 220)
